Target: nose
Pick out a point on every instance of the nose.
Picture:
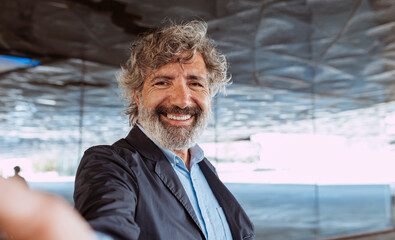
(181, 95)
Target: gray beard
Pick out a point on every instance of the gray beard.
(168, 136)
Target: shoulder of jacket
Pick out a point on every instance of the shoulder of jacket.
(123, 143)
(108, 152)
(116, 147)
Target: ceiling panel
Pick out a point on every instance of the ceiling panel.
(302, 65)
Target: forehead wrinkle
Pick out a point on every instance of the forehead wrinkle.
(180, 63)
(162, 76)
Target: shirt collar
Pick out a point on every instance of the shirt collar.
(196, 152)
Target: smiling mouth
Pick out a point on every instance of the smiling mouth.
(175, 115)
(178, 118)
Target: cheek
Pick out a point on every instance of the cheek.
(151, 99)
(204, 102)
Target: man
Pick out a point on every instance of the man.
(156, 183)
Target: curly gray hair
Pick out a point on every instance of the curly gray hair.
(161, 46)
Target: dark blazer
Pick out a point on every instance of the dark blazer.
(130, 191)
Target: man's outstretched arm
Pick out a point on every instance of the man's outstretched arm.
(27, 214)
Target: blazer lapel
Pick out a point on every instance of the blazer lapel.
(172, 182)
(238, 221)
(141, 143)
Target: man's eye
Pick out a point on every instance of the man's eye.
(197, 84)
(161, 83)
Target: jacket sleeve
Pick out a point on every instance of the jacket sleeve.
(106, 193)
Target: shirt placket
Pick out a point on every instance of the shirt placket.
(195, 188)
(202, 203)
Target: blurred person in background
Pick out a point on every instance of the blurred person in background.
(18, 178)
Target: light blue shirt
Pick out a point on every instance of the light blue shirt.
(208, 211)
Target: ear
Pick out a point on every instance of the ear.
(136, 98)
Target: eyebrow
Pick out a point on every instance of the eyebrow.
(156, 78)
(167, 77)
(196, 77)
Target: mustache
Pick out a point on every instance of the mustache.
(197, 111)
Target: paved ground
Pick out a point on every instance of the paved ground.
(390, 235)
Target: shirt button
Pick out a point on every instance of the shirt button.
(177, 161)
(172, 164)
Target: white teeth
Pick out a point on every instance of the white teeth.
(185, 117)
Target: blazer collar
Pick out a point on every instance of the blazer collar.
(148, 149)
(144, 145)
(233, 211)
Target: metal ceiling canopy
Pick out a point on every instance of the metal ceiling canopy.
(292, 62)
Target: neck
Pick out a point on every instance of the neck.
(184, 155)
